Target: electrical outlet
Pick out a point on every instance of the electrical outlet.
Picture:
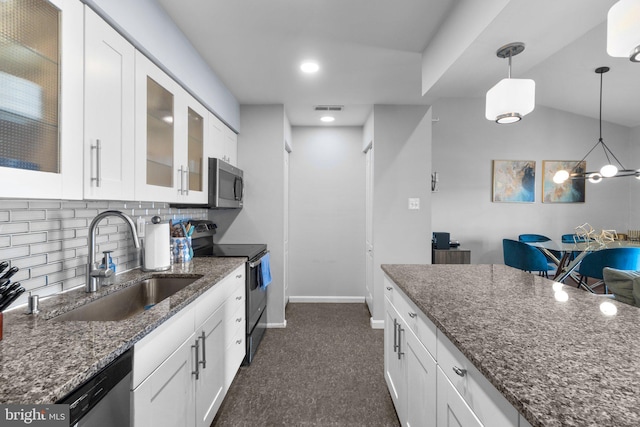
(140, 225)
(414, 203)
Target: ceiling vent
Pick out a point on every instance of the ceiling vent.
(329, 107)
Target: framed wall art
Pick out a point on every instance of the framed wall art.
(514, 181)
(570, 191)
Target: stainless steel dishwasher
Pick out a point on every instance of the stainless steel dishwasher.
(103, 400)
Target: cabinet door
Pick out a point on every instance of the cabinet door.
(41, 87)
(108, 112)
(166, 397)
(157, 133)
(193, 132)
(452, 410)
(421, 383)
(210, 382)
(231, 146)
(394, 366)
(216, 145)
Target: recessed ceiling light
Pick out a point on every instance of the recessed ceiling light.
(327, 119)
(309, 67)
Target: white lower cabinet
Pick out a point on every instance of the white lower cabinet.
(430, 381)
(182, 370)
(452, 410)
(410, 372)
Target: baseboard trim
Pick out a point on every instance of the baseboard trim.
(376, 324)
(277, 325)
(346, 300)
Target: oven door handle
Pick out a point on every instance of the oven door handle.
(256, 263)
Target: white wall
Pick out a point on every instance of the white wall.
(152, 31)
(402, 167)
(261, 157)
(326, 214)
(464, 145)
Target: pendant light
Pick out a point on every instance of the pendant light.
(510, 99)
(623, 30)
(609, 170)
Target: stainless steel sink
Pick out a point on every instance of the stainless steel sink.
(128, 301)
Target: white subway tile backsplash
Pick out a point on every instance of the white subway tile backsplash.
(31, 215)
(25, 239)
(14, 227)
(47, 239)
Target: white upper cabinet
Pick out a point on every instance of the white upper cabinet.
(171, 130)
(224, 141)
(108, 112)
(41, 91)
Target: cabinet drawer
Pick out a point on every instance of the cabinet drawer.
(452, 410)
(415, 319)
(234, 355)
(211, 300)
(232, 324)
(491, 408)
(235, 302)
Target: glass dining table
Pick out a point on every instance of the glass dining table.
(567, 263)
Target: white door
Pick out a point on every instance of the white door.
(452, 410)
(108, 112)
(369, 229)
(166, 397)
(286, 227)
(210, 382)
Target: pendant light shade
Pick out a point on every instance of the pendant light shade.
(623, 30)
(510, 99)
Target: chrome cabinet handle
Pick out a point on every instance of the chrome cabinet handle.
(238, 341)
(400, 352)
(395, 335)
(181, 179)
(239, 276)
(459, 371)
(98, 148)
(203, 362)
(413, 315)
(239, 297)
(239, 319)
(389, 288)
(186, 172)
(197, 348)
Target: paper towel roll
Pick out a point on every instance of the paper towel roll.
(156, 247)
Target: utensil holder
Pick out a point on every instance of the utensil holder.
(181, 249)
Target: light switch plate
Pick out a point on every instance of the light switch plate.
(414, 203)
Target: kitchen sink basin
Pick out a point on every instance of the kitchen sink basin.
(129, 301)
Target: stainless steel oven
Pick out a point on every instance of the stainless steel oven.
(256, 295)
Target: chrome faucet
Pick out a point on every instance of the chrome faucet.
(96, 274)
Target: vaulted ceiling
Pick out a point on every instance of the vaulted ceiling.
(382, 52)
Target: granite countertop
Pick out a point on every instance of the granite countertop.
(559, 363)
(42, 360)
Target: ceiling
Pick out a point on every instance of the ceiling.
(371, 52)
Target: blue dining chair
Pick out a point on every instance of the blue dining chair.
(593, 264)
(573, 238)
(524, 257)
(539, 238)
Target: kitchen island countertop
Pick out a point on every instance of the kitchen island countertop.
(42, 359)
(559, 363)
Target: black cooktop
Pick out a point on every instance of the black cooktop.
(238, 250)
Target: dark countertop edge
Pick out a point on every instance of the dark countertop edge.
(517, 403)
(194, 290)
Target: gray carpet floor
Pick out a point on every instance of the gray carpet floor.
(326, 368)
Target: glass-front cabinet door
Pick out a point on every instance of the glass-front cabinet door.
(156, 133)
(171, 130)
(41, 91)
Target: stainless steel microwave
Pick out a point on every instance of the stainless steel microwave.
(226, 185)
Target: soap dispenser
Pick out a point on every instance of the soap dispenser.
(107, 262)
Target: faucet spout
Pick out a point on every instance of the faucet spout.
(94, 273)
